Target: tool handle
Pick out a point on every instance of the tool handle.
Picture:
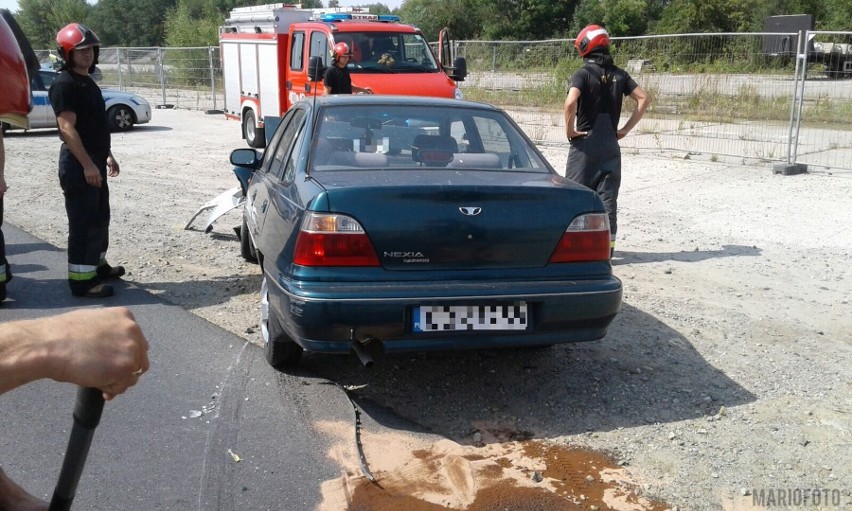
(87, 416)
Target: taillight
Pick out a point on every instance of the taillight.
(586, 239)
(333, 240)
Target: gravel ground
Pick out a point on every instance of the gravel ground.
(725, 377)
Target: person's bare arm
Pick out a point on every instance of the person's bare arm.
(362, 90)
(638, 95)
(570, 110)
(100, 348)
(67, 122)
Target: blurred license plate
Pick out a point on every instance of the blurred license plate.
(449, 318)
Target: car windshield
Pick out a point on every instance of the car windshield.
(374, 136)
(380, 52)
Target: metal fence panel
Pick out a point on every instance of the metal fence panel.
(167, 77)
(824, 137)
(717, 94)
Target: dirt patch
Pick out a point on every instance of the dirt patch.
(422, 476)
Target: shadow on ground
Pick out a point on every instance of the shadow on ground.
(643, 372)
(692, 256)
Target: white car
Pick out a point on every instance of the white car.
(124, 109)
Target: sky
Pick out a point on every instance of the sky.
(12, 5)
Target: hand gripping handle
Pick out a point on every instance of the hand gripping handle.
(87, 416)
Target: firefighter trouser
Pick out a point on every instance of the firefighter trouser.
(88, 219)
(595, 161)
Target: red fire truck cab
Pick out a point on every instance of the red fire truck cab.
(265, 52)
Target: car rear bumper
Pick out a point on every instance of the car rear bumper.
(327, 317)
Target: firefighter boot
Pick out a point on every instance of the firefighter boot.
(106, 272)
(91, 289)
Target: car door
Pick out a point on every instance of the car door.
(296, 69)
(266, 179)
(317, 46)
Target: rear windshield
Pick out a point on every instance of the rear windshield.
(406, 137)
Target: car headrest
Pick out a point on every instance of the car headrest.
(476, 161)
(433, 150)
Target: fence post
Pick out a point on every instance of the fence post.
(212, 75)
(120, 72)
(162, 74)
(804, 47)
(214, 110)
(791, 167)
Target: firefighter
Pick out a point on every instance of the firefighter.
(336, 79)
(594, 101)
(85, 161)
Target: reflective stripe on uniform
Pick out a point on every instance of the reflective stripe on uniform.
(82, 272)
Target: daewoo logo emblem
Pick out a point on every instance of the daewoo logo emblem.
(470, 210)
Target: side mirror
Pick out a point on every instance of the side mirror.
(315, 69)
(245, 158)
(459, 70)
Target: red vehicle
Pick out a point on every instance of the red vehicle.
(265, 52)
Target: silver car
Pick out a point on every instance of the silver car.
(123, 108)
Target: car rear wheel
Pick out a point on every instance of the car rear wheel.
(120, 118)
(255, 137)
(278, 349)
(247, 249)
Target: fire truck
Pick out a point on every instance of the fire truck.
(266, 49)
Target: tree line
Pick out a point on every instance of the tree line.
(181, 23)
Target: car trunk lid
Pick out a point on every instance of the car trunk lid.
(448, 220)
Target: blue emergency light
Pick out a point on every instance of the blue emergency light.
(332, 17)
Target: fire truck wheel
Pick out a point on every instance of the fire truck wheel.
(254, 136)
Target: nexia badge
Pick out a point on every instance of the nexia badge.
(407, 257)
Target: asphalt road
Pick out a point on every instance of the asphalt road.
(165, 443)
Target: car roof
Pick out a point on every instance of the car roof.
(392, 100)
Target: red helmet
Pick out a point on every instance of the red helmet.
(590, 38)
(341, 50)
(75, 36)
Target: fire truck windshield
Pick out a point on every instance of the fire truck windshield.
(382, 52)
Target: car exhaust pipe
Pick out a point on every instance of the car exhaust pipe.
(367, 348)
(363, 355)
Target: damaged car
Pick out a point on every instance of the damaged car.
(392, 223)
